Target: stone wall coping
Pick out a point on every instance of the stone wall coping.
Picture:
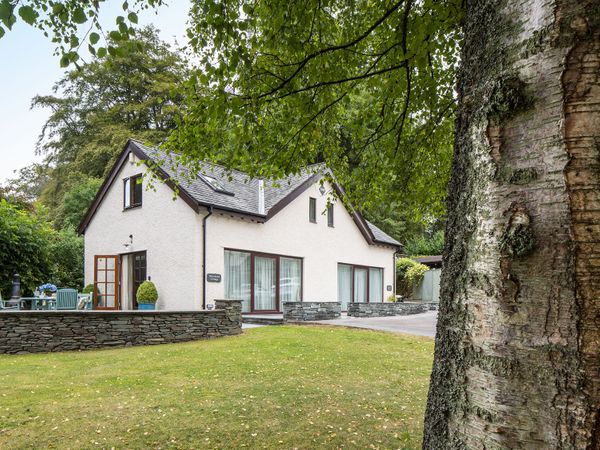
(308, 303)
(91, 312)
(100, 312)
(377, 303)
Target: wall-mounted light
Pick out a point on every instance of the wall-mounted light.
(322, 190)
(128, 243)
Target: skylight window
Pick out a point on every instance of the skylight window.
(215, 184)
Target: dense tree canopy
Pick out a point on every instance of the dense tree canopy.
(366, 87)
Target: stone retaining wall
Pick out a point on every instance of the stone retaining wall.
(305, 311)
(385, 309)
(51, 331)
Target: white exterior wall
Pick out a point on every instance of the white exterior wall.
(291, 233)
(168, 230)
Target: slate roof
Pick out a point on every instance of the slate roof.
(244, 188)
(197, 192)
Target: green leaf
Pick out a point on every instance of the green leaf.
(1, 32)
(115, 36)
(28, 14)
(79, 16)
(5, 10)
(94, 38)
(101, 52)
(65, 60)
(133, 18)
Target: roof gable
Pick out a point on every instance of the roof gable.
(239, 193)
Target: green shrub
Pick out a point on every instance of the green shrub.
(25, 243)
(409, 274)
(147, 293)
(66, 248)
(88, 289)
(391, 299)
(414, 275)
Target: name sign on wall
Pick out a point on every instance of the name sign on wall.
(213, 277)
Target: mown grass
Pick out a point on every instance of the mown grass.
(273, 387)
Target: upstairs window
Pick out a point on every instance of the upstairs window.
(132, 191)
(312, 209)
(330, 215)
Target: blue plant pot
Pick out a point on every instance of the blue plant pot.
(146, 306)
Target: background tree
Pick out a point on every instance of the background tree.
(97, 107)
(24, 248)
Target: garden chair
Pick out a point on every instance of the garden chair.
(5, 306)
(84, 301)
(65, 299)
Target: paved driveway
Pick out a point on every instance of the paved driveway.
(418, 324)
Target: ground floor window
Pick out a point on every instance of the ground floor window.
(262, 281)
(359, 284)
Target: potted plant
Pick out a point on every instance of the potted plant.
(47, 289)
(147, 295)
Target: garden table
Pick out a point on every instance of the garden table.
(37, 302)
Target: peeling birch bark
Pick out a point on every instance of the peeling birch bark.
(517, 359)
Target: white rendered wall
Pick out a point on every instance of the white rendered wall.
(168, 230)
(290, 233)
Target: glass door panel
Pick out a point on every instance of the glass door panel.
(106, 278)
(237, 277)
(360, 284)
(344, 285)
(265, 284)
(375, 285)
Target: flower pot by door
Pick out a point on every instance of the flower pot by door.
(146, 306)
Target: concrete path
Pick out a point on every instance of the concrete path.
(417, 324)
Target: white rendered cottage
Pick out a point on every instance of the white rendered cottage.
(212, 237)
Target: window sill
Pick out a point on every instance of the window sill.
(132, 207)
(312, 221)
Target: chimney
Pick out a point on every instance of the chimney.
(261, 196)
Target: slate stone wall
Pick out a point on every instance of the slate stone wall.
(305, 311)
(385, 309)
(51, 331)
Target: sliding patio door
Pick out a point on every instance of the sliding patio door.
(106, 282)
(265, 283)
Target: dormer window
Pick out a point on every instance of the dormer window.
(132, 191)
(215, 184)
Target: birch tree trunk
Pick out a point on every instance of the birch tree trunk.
(517, 349)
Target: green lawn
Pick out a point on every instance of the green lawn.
(272, 387)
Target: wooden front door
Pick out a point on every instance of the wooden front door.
(106, 282)
(139, 274)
